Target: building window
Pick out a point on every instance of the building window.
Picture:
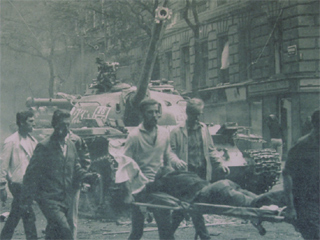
(244, 54)
(185, 67)
(168, 65)
(275, 48)
(204, 63)
(223, 58)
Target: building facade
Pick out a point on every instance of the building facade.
(258, 58)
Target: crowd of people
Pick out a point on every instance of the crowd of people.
(183, 163)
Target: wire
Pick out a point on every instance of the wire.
(270, 35)
(266, 44)
(25, 22)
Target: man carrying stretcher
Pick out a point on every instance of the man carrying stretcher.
(188, 183)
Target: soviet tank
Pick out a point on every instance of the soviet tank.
(253, 167)
(114, 105)
(105, 114)
(100, 116)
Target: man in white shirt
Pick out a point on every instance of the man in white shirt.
(17, 151)
(149, 146)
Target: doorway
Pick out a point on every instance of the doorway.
(286, 122)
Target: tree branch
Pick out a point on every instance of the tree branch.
(140, 20)
(145, 7)
(22, 50)
(195, 13)
(185, 16)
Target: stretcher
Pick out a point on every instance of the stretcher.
(255, 215)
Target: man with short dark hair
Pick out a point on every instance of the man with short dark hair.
(53, 173)
(149, 146)
(84, 160)
(15, 157)
(301, 182)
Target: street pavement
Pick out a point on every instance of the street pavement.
(220, 227)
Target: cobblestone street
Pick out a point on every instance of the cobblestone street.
(220, 227)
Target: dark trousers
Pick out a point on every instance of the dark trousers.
(15, 215)
(198, 222)
(308, 219)
(162, 217)
(200, 171)
(225, 192)
(58, 225)
(276, 198)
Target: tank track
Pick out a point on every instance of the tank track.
(264, 169)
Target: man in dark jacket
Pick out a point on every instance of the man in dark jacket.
(302, 182)
(53, 173)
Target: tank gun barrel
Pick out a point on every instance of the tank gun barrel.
(161, 14)
(131, 117)
(40, 102)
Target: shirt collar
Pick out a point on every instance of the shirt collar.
(142, 129)
(28, 136)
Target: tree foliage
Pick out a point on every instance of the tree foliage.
(38, 29)
(125, 24)
(55, 31)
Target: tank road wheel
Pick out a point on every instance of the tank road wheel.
(95, 201)
(91, 199)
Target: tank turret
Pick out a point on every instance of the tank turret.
(118, 103)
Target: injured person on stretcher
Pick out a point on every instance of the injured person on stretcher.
(189, 188)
